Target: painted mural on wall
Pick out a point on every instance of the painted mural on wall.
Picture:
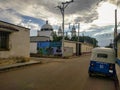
(49, 48)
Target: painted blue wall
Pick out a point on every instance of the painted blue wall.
(49, 48)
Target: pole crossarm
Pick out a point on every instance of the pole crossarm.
(61, 9)
(64, 6)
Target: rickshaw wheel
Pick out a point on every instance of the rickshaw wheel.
(90, 74)
(114, 77)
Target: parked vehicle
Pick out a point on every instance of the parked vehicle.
(102, 62)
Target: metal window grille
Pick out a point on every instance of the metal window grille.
(4, 40)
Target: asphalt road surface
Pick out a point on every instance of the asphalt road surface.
(65, 74)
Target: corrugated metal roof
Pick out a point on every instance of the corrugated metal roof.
(107, 51)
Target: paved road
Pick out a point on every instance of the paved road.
(69, 74)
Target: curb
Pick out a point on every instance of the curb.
(117, 84)
(6, 68)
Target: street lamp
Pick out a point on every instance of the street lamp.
(62, 9)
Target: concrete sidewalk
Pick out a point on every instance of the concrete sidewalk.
(7, 67)
(33, 60)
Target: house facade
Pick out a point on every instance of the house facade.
(117, 40)
(14, 41)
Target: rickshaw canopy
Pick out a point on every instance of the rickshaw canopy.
(103, 55)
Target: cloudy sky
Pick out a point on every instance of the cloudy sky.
(96, 17)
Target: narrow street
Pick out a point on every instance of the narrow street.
(67, 74)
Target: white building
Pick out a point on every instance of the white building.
(14, 41)
(45, 34)
(46, 31)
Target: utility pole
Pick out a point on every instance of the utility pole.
(62, 10)
(78, 31)
(115, 33)
(78, 40)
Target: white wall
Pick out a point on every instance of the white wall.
(86, 48)
(46, 33)
(68, 51)
(70, 44)
(33, 47)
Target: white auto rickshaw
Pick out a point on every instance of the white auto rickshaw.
(102, 62)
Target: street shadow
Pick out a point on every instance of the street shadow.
(101, 77)
(97, 82)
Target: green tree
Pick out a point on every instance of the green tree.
(55, 37)
(83, 39)
(86, 39)
(67, 38)
(74, 38)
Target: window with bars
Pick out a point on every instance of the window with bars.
(4, 40)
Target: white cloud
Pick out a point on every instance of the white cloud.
(10, 16)
(31, 25)
(83, 11)
(106, 14)
(43, 9)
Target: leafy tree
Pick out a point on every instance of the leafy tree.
(54, 36)
(58, 38)
(67, 38)
(74, 38)
(83, 39)
(86, 39)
